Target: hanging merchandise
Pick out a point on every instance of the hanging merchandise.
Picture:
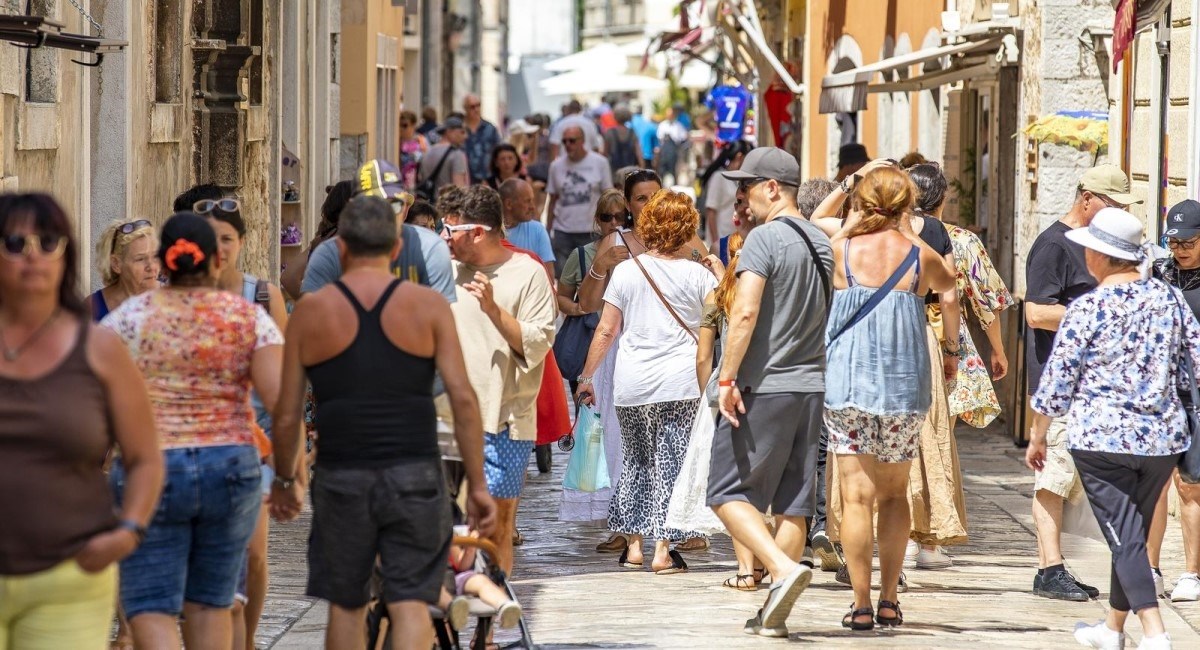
(1083, 130)
(729, 105)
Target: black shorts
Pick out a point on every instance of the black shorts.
(771, 459)
(400, 514)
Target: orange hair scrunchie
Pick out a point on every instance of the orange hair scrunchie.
(182, 247)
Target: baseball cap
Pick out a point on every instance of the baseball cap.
(381, 178)
(1183, 220)
(768, 162)
(1109, 181)
(450, 124)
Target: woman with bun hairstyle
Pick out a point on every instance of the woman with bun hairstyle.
(200, 350)
(877, 386)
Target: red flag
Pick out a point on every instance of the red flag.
(1123, 30)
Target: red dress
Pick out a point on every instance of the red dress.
(553, 415)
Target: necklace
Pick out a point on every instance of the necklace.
(11, 354)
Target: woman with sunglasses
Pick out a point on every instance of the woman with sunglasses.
(611, 250)
(201, 350)
(60, 534)
(611, 214)
(413, 147)
(1182, 271)
(224, 215)
(128, 265)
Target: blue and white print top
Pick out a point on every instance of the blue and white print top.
(1114, 370)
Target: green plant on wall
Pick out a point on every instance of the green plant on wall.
(964, 188)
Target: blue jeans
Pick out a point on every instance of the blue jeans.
(196, 543)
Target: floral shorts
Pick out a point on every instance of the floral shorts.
(889, 438)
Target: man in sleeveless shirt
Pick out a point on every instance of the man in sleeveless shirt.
(505, 316)
(772, 382)
(370, 343)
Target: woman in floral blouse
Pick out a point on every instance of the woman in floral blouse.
(1113, 372)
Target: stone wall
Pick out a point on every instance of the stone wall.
(1059, 71)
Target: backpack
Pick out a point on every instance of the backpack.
(620, 153)
(428, 187)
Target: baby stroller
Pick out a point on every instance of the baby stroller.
(484, 615)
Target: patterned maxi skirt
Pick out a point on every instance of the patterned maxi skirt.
(655, 440)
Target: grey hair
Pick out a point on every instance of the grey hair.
(509, 188)
(368, 226)
(812, 192)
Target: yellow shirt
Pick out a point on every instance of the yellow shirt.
(505, 381)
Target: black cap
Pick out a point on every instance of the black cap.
(1183, 220)
(852, 154)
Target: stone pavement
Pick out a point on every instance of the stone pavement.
(576, 598)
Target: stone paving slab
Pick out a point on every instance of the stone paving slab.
(577, 598)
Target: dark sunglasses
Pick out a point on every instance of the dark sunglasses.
(745, 184)
(1181, 244)
(129, 228)
(205, 206)
(571, 140)
(609, 217)
(51, 246)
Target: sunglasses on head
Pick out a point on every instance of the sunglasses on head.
(609, 217)
(129, 228)
(205, 206)
(51, 246)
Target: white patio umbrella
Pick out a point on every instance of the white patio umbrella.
(589, 82)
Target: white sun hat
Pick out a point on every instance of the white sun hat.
(1113, 232)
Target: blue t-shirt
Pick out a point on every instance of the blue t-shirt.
(424, 259)
(647, 133)
(729, 104)
(532, 236)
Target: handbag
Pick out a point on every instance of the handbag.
(1189, 461)
(574, 338)
(663, 299)
(587, 469)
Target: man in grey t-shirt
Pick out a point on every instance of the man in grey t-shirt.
(772, 382)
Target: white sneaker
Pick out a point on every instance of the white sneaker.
(935, 559)
(1187, 589)
(910, 554)
(509, 614)
(1160, 642)
(1160, 590)
(1099, 636)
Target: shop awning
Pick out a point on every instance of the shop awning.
(846, 92)
(746, 16)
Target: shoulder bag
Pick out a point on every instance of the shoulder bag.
(427, 188)
(663, 299)
(574, 339)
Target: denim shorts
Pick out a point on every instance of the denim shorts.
(399, 514)
(196, 543)
(504, 464)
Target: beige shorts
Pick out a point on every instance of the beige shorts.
(1059, 474)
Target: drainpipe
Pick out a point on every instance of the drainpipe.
(1159, 103)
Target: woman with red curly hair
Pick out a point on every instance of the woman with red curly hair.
(200, 349)
(654, 302)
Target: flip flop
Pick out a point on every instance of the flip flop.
(677, 565)
(624, 562)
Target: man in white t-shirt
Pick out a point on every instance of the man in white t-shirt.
(575, 184)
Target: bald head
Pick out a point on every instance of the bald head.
(516, 195)
(572, 142)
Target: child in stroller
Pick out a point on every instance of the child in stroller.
(471, 582)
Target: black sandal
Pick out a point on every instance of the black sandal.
(889, 621)
(848, 619)
(677, 565)
(625, 563)
(741, 582)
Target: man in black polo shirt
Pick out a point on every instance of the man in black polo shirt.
(1055, 275)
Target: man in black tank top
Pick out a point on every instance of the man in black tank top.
(370, 344)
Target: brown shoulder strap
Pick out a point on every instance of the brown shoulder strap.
(663, 298)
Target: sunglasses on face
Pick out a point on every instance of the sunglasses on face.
(470, 106)
(609, 217)
(1182, 244)
(205, 206)
(448, 229)
(745, 184)
(571, 140)
(51, 246)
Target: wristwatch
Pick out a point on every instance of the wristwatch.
(138, 530)
(284, 483)
(848, 183)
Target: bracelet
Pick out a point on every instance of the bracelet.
(583, 381)
(138, 530)
(726, 383)
(592, 272)
(956, 352)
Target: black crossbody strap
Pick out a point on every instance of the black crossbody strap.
(437, 169)
(663, 299)
(812, 250)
